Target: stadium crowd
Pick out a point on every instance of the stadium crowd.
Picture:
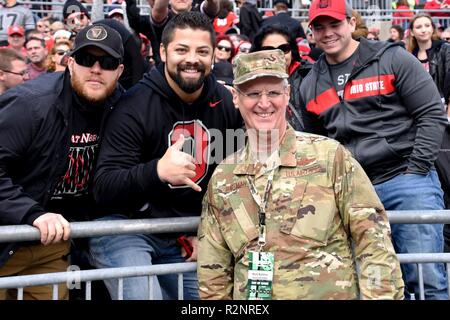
(107, 120)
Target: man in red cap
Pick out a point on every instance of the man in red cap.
(378, 101)
(16, 39)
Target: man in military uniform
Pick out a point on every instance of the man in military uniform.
(279, 215)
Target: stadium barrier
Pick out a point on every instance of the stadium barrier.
(74, 276)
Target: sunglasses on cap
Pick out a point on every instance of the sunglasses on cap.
(88, 60)
(223, 48)
(286, 48)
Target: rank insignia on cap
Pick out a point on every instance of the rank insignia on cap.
(97, 33)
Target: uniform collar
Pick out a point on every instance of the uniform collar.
(286, 157)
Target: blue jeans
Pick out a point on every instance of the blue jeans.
(141, 250)
(417, 192)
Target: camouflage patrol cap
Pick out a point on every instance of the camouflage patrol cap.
(266, 63)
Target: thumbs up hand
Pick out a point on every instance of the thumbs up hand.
(177, 167)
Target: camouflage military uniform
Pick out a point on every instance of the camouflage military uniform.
(320, 197)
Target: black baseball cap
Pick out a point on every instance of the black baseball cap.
(100, 36)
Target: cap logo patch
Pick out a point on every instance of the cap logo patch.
(270, 59)
(97, 33)
(324, 4)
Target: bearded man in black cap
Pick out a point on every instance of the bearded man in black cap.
(49, 138)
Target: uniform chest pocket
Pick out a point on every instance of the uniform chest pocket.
(238, 227)
(310, 214)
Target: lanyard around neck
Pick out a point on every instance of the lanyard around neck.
(262, 204)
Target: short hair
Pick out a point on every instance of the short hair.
(7, 56)
(185, 20)
(35, 34)
(42, 41)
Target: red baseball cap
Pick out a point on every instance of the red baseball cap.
(16, 30)
(337, 9)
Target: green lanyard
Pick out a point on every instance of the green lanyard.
(262, 203)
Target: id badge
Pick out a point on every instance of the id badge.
(260, 275)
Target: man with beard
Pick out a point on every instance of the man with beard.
(49, 137)
(142, 170)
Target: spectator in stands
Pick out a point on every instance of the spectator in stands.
(250, 19)
(436, 6)
(377, 100)
(315, 50)
(433, 53)
(283, 18)
(58, 57)
(142, 168)
(133, 64)
(372, 36)
(13, 69)
(402, 14)
(39, 35)
(43, 26)
(226, 17)
(361, 28)
(117, 14)
(244, 47)
(37, 57)
(49, 133)
(396, 34)
(62, 35)
(14, 13)
(445, 35)
(237, 39)
(152, 26)
(16, 40)
(76, 16)
(55, 26)
(224, 49)
(279, 37)
(290, 209)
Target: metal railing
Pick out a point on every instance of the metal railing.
(375, 10)
(168, 225)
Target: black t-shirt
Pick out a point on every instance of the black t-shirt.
(341, 71)
(71, 195)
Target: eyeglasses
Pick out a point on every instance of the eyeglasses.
(223, 48)
(285, 47)
(244, 50)
(88, 60)
(256, 95)
(22, 73)
(446, 39)
(61, 52)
